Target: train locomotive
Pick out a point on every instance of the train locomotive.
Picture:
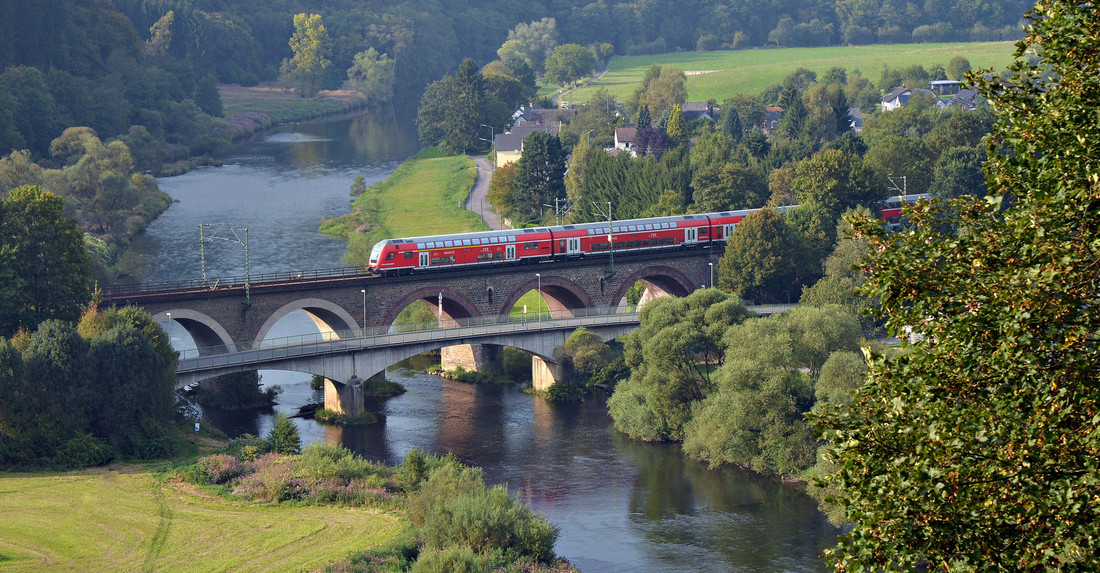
(437, 252)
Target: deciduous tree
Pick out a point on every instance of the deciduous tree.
(976, 448)
(312, 47)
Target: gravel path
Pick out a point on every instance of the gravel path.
(478, 201)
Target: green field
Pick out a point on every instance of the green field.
(282, 105)
(424, 196)
(123, 518)
(721, 74)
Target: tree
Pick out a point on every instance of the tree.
(665, 90)
(731, 124)
(311, 46)
(957, 68)
(668, 378)
(755, 417)
(372, 75)
(52, 264)
(283, 436)
(959, 172)
(643, 117)
(976, 448)
(534, 42)
(160, 35)
(569, 63)
(759, 262)
(676, 130)
(835, 181)
(727, 186)
(540, 175)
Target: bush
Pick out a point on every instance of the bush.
(248, 447)
(85, 451)
(219, 469)
(450, 560)
(486, 520)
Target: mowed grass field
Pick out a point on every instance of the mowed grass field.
(722, 74)
(125, 519)
(424, 196)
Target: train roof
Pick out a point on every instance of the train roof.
(503, 236)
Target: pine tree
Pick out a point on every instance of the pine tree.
(731, 124)
(644, 120)
(676, 128)
(283, 436)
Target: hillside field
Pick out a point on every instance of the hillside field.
(721, 74)
(125, 518)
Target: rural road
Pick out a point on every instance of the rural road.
(478, 201)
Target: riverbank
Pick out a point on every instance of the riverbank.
(424, 196)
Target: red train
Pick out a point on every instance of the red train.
(569, 241)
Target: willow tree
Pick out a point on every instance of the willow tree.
(977, 448)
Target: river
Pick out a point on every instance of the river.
(620, 505)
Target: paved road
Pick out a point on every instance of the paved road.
(478, 201)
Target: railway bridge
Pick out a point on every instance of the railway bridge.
(228, 316)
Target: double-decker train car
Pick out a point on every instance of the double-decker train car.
(890, 208)
(462, 249)
(572, 241)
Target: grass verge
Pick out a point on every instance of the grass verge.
(125, 518)
(424, 196)
(721, 74)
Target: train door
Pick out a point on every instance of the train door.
(691, 235)
(573, 246)
(729, 229)
(509, 252)
(424, 257)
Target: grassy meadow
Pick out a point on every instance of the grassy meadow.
(282, 105)
(424, 196)
(125, 518)
(720, 74)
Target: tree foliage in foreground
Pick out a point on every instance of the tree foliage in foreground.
(977, 448)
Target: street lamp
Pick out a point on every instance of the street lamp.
(539, 275)
(168, 328)
(711, 274)
(492, 140)
(364, 291)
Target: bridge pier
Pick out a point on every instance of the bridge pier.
(344, 398)
(470, 357)
(544, 373)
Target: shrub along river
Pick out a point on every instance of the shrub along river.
(620, 505)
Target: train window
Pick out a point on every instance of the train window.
(673, 225)
(420, 246)
(389, 256)
(435, 260)
(703, 230)
(448, 243)
(410, 255)
(481, 256)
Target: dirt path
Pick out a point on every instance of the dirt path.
(478, 201)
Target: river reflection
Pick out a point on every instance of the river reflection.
(621, 505)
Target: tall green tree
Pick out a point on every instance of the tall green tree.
(676, 128)
(50, 262)
(569, 63)
(976, 448)
(672, 356)
(372, 75)
(312, 47)
(760, 262)
(540, 175)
